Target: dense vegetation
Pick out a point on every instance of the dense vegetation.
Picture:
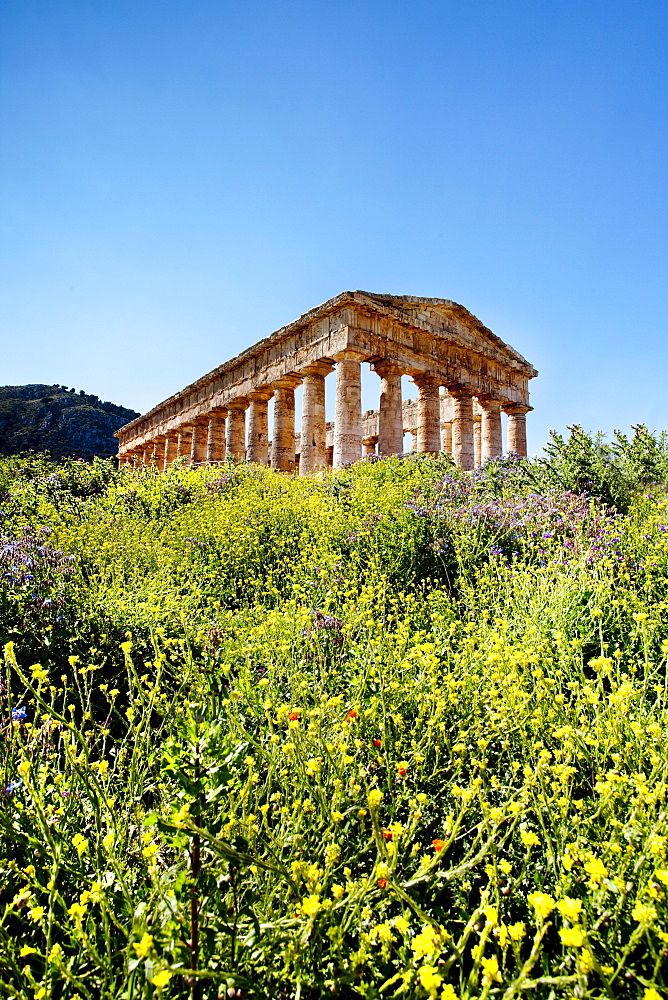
(58, 420)
(392, 731)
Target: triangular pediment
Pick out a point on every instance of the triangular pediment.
(452, 321)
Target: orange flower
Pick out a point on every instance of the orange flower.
(438, 845)
(382, 882)
(387, 834)
(402, 771)
(376, 743)
(293, 716)
(352, 714)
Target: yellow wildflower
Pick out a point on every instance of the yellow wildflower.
(143, 947)
(490, 970)
(161, 978)
(310, 905)
(77, 912)
(430, 980)
(570, 908)
(80, 843)
(586, 960)
(596, 870)
(572, 937)
(374, 798)
(644, 913)
(542, 903)
(426, 943)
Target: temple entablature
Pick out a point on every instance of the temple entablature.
(464, 377)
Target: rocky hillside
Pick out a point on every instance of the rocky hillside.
(58, 420)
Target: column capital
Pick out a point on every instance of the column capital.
(515, 409)
(322, 367)
(217, 411)
(426, 379)
(350, 354)
(289, 381)
(487, 402)
(387, 367)
(264, 394)
(240, 403)
(461, 392)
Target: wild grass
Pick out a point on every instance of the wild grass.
(392, 731)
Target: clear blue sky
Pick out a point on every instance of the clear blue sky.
(178, 178)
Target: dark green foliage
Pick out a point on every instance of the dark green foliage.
(612, 471)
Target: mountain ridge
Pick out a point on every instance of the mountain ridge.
(59, 420)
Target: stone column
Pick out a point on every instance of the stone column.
(183, 441)
(428, 414)
(348, 409)
(390, 415)
(236, 430)
(145, 455)
(258, 426)
(492, 442)
(369, 444)
(517, 429)
(157, 451)
(169, 453)
(215, 437)
(477, 439)
(198, 441)
(283, 437)
(462, 428)
(313, 443)
(446, 421)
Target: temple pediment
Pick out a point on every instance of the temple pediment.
(452, 322)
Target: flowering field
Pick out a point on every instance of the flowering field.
(396, 731)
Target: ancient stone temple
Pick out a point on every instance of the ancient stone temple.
(465, 377)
